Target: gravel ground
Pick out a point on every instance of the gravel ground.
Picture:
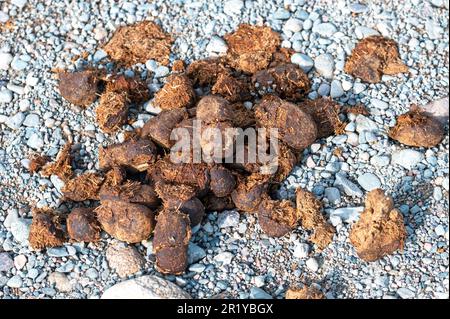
(39, 36)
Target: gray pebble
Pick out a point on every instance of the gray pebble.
(407, 158)
(15, 121)
(324, 65)
(6, 262)
(233, 7)
(5, 59)
(347, 214)
(405, 293)
(31, 120)
(336, 89)
(369, 181)
(312, 264)
(301, 250)
(333, 195)
(15, 282)
(5, 96)
(228, 219)
(303, 61)
(325, 30)
(258, 293)
(350, 188)
(57, 252)
(324, 89)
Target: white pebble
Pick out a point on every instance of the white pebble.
(303, 61)
(5, 96)
(293, 25)
(32, 120)
(301, 250)
(5, 60)
(312, 264)
(369, 181)
(15, 122)
(324, 65)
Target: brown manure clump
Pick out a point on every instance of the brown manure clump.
(250, 48)
(160, 127)
(112, 111)
(325, 113)
(135, 155)
(80, 87)
(45, 230)
(289, 81)
(295, 127)
(277, 217)
(138, 43)
(82, 225)
(128, 222)
(304, 293)
(62, 166)
(37, 162)
(231, 88)
(374, 56)
(176, 93)
(82, 187)
(207, 71)
(249, 192)
(170, 241)
(309, 210)
(380, 230)
(415, 128)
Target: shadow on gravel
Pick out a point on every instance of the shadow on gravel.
(416, 197)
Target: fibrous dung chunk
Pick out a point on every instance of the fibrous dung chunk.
(231, 88)
(289, 81)
(125, 221)
(83, 187)
(79, 88)
(250, 48)
(374, 56)
(214, 108)
(159, 128)
(380, 229)
(131, 192)
(277, 218)
(174, 195)
(325, 113)
(217, 141)
(136, 155)
(309, 210)
(136, 89)
(217, 204)
(37, 162)
(138, 43)
(415, 128)
(247, 195)
(295, 127)
(242, 117)
(206, 72)
(194, 209)
(170, 241)
(82, 225)
(222, 181)
(286, 160)
(176, 93)
(196, 175)
(304, 293)
(45, 230)
(112, 111)
(62, 166)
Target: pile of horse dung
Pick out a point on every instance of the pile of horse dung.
(140, 192)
